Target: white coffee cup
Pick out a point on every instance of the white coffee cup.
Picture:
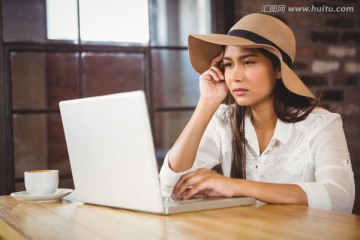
(39, 182)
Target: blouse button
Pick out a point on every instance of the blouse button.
(256, 166)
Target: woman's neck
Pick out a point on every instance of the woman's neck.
(263, 118)
(264, 121)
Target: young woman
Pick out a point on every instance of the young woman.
(270, 139)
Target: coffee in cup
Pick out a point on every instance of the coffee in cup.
(39, 182)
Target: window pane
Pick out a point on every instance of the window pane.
(175, 83)
(56, 146)
(62, 19)
(114, 20)
(39, 143)
(175, 19)
(41, 80)
(106, 73)
(24, 20)
(62, 81)
(168, 126)
(30, 138)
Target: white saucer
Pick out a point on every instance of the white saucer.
(45, 198)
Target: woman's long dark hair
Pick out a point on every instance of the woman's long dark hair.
(288, 106)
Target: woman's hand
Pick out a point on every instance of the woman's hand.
(212, 81)
(205, 182)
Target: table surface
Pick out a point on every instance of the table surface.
(70, 219)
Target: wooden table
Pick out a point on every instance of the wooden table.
(70, 219)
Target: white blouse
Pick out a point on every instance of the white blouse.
(312, 153)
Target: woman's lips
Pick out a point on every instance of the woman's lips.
(240, 91)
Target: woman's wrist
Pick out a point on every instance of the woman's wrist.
(209, 105)
(243, 189)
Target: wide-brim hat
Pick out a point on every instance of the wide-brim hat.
(252, 31)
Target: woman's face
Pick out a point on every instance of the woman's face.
(249, 75)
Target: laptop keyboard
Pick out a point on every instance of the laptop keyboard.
(169, 200)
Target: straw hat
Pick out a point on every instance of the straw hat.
(252, 31)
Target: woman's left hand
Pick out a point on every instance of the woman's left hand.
(204, 182)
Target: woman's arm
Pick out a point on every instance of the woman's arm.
(209, 183)
(182, 154)
(334, 188)
(213, 90)
(272, 192)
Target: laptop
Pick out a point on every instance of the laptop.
(112, 156)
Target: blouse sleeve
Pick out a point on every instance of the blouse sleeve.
(334, 188)
(207, 156)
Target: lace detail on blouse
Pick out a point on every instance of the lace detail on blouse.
(292, 156)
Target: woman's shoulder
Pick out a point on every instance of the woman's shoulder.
(318, 118)
(321, 113)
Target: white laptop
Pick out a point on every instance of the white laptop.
(112, 156)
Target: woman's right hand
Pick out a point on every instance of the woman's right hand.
(212, 82)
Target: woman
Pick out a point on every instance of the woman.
(271, 140)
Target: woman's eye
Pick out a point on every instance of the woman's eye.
(227, 64)
(248, 62)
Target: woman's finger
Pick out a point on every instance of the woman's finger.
(182, 184)
(218, 59)
(217, 65)
(201, 187)
(188, 181)
(187, 185)
(216, 73)
(198, 188)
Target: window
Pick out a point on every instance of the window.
(62, 19)
(105, 20)
(67, 49)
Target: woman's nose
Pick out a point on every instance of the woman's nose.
(237, 74)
